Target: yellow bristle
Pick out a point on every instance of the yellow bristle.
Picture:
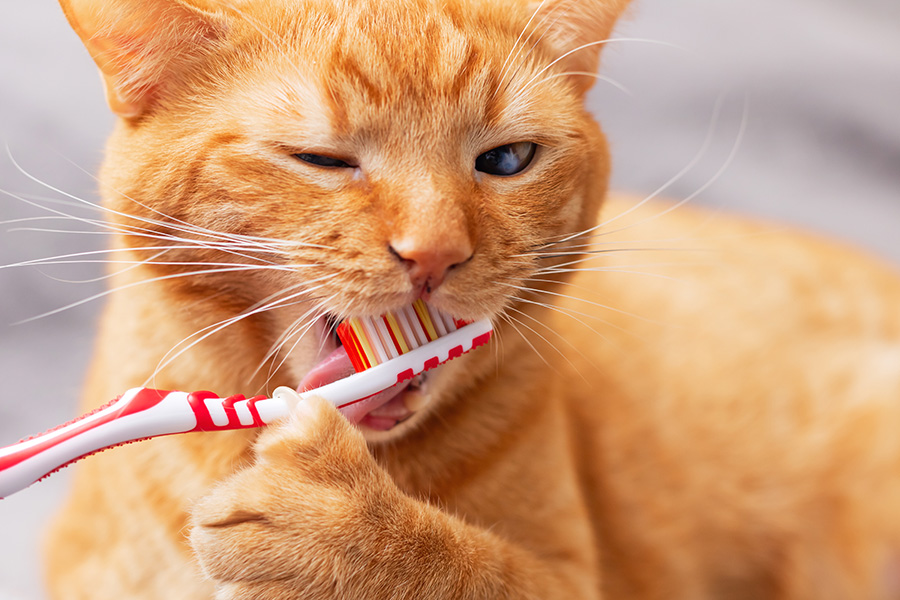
(398, 333)
(363, 338)
(425, 318)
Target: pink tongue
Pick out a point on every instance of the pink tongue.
(336, 366)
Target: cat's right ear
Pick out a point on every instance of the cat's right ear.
(142, 47)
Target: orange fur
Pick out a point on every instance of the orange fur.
(722, 430)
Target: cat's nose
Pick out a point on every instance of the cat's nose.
(428, 261)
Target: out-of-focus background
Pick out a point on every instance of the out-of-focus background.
(821, 149)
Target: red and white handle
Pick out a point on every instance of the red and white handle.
(138, 414)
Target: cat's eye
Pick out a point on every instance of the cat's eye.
(324, 161)
(506, 160)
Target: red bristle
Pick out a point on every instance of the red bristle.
(353, 347)
(393, 337)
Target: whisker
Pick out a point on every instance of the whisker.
(588, 254)
(559, 335)
(186, 226)
(512, 323)
(260, 307)
(527, 341)
(728, 161)
(96, 279)
(565, 55)
(616, 270)
(136, 284)
(516, 43)
(150, 261)
(289, 332)
(537, 291)
(707, 141)
(299, 331)
(616, 84)
(141, 232)
(571, 313)
(219, 242)
(554, 12)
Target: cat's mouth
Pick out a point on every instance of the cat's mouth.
(380, 412)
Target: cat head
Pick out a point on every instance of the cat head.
(365, 152)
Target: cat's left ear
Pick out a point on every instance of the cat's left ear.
(577, 29)
(143, 47)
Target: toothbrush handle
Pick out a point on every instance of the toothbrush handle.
(138, 414)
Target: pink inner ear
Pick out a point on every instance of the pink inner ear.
(119, 61)
(140, 45)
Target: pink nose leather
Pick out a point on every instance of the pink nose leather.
(428, 261)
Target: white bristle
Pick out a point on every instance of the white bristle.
(449, 321)
(403, 321)
(437, 320)
(374, 339)
(385, 337)
(421, 338)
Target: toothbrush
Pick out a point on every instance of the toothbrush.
(384, 351)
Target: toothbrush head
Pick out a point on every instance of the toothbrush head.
(371, 341)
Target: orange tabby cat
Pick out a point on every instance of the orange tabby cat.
(727, 429)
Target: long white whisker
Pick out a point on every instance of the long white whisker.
(537, 291)
(707, 141)
(616, 84)
(512, 322)
(544, 27)
(616, 269)
(259, 244)
(289, 332)
(134, 265)
(588, 254)
(515, 47)
(149, 261)
(300, 331)
(570, 312)
(210, 330)
(559, 335)
(592, 44)
(185, 226)
(141, 232)
(136, 284)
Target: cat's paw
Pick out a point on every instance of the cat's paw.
(302, 521)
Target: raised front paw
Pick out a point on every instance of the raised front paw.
(307, 520)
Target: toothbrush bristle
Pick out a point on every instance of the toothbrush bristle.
(371, 341)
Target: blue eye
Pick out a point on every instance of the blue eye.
(506, 160)
(324, 161)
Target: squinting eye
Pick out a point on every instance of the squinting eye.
(506, 160)
(324, 161)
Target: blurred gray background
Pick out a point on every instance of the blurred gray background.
(821, 79)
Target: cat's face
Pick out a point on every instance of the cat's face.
(366, 154)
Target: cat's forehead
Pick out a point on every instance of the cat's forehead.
(394, 51)
(405, 70)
